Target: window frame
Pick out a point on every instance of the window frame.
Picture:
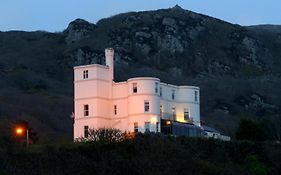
(146, 106)
(135, 88)
(115, 109)
(186, 111)
(156, 87)
(196, 96)
(146, 126)
(136, 127)
(161, 111)
(173, 94)
(85, 74)
(86, 110)
(157, 126)
(174, 114)
(86, 131)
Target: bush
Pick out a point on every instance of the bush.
(103, 135)
(254, 166)
(250, 130)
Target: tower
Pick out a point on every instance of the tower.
(93, 95)
(109, 54)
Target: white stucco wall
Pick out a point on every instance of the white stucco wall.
(102, 94)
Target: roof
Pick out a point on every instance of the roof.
(209, 129)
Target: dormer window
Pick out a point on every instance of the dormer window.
(135, 88)
(85, 74)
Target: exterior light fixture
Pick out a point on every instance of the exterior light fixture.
(153, 120)
(19, 131)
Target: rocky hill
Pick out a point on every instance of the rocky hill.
(236, 67)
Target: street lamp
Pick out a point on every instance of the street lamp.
(20, 131)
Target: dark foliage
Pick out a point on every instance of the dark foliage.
(103, 135)
(237, 68)
(250, 130)
(145, 154)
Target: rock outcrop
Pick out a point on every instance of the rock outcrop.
(236, 67)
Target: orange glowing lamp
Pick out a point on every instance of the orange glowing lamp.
(19, 131)
(22, 131)
(168, 122)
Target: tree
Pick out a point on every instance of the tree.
(250, 130)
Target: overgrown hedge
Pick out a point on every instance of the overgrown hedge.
(146, 154)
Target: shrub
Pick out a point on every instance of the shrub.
(103, 135)
(250, 130)
(254, 166)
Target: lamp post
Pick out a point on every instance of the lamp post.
(20, 131)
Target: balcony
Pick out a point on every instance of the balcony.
(169, 127)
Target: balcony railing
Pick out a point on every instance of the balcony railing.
(178, 118)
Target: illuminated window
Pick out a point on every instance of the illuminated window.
(146, 106)
(86, 110)
(160, 91)
(135, 88)
(173, 94)
(147, 126)
(196, 96)
(161, 111)
(136, 127)
(156, 87)
(86, 131)
(115, 110)
(174, 113)
(85, 74)
(186, 114)
(157, 126)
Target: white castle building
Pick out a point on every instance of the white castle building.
(137, 105)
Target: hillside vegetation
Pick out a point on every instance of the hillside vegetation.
(237, 68)
(146, 154)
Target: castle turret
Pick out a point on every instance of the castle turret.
(109, 55)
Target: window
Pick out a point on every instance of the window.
(173, 94)
(160, 91)
(147, 126)
(115, 110)
(156, 88)
(146, 106)
(85, 74)
(135, 88)
(157, 126)
(196, 96)
(86, 110)
(86, 131)
(174, 113)
(161, 111)
(136, 127)
(186, 114)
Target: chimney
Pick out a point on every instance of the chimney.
(109, 55)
